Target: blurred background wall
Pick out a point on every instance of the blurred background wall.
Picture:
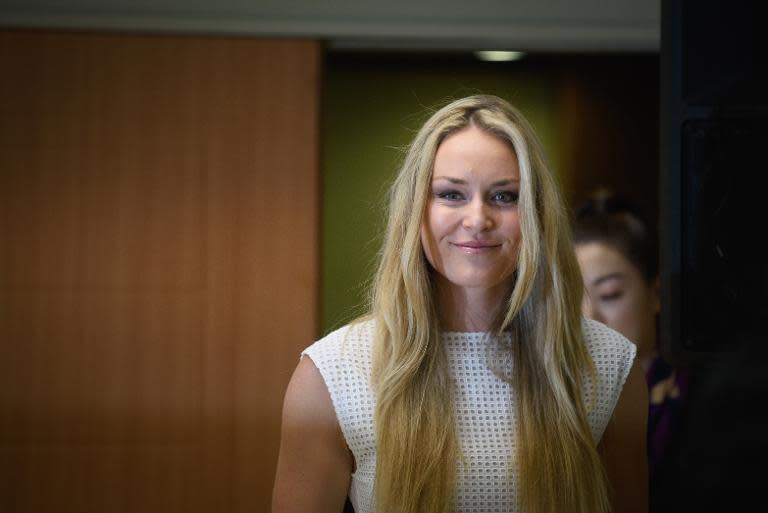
(190, 194)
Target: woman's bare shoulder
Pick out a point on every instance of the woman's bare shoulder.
(314, 466)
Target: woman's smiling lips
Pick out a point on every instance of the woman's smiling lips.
(474, 247)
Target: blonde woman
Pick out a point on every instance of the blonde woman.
(474, 384)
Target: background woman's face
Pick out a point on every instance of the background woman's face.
(617, 295)
(471, 228)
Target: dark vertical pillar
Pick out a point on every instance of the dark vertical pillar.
(714, 132)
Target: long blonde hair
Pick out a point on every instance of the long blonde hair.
(417, 449)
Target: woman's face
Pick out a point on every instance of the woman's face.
(617, 295)
(471, 228)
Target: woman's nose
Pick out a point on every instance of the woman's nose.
(477, 217)
(589, 309)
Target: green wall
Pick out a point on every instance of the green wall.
(371, 110)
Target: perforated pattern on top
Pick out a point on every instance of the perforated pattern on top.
(485, 408)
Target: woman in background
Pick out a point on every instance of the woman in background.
(618, 255)
(474, 384)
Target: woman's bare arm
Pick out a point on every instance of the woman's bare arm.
(624, 447)
(314, 467)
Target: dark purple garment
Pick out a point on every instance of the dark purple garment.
(667, 392)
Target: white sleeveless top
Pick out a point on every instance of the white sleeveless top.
(485, 408)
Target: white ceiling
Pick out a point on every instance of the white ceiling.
(536, 25)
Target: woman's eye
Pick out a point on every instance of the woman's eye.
(450, 195)
(611, 296)
(505, 197)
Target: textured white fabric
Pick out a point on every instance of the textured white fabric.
(485, 408)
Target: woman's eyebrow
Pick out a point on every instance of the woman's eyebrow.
(508, 181)
(606, 277)
(459, 181)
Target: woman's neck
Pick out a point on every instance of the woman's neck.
(645, 357)
(469, 308)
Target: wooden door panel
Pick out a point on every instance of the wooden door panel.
(158, 266)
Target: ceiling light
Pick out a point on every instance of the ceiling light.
(498, 55)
